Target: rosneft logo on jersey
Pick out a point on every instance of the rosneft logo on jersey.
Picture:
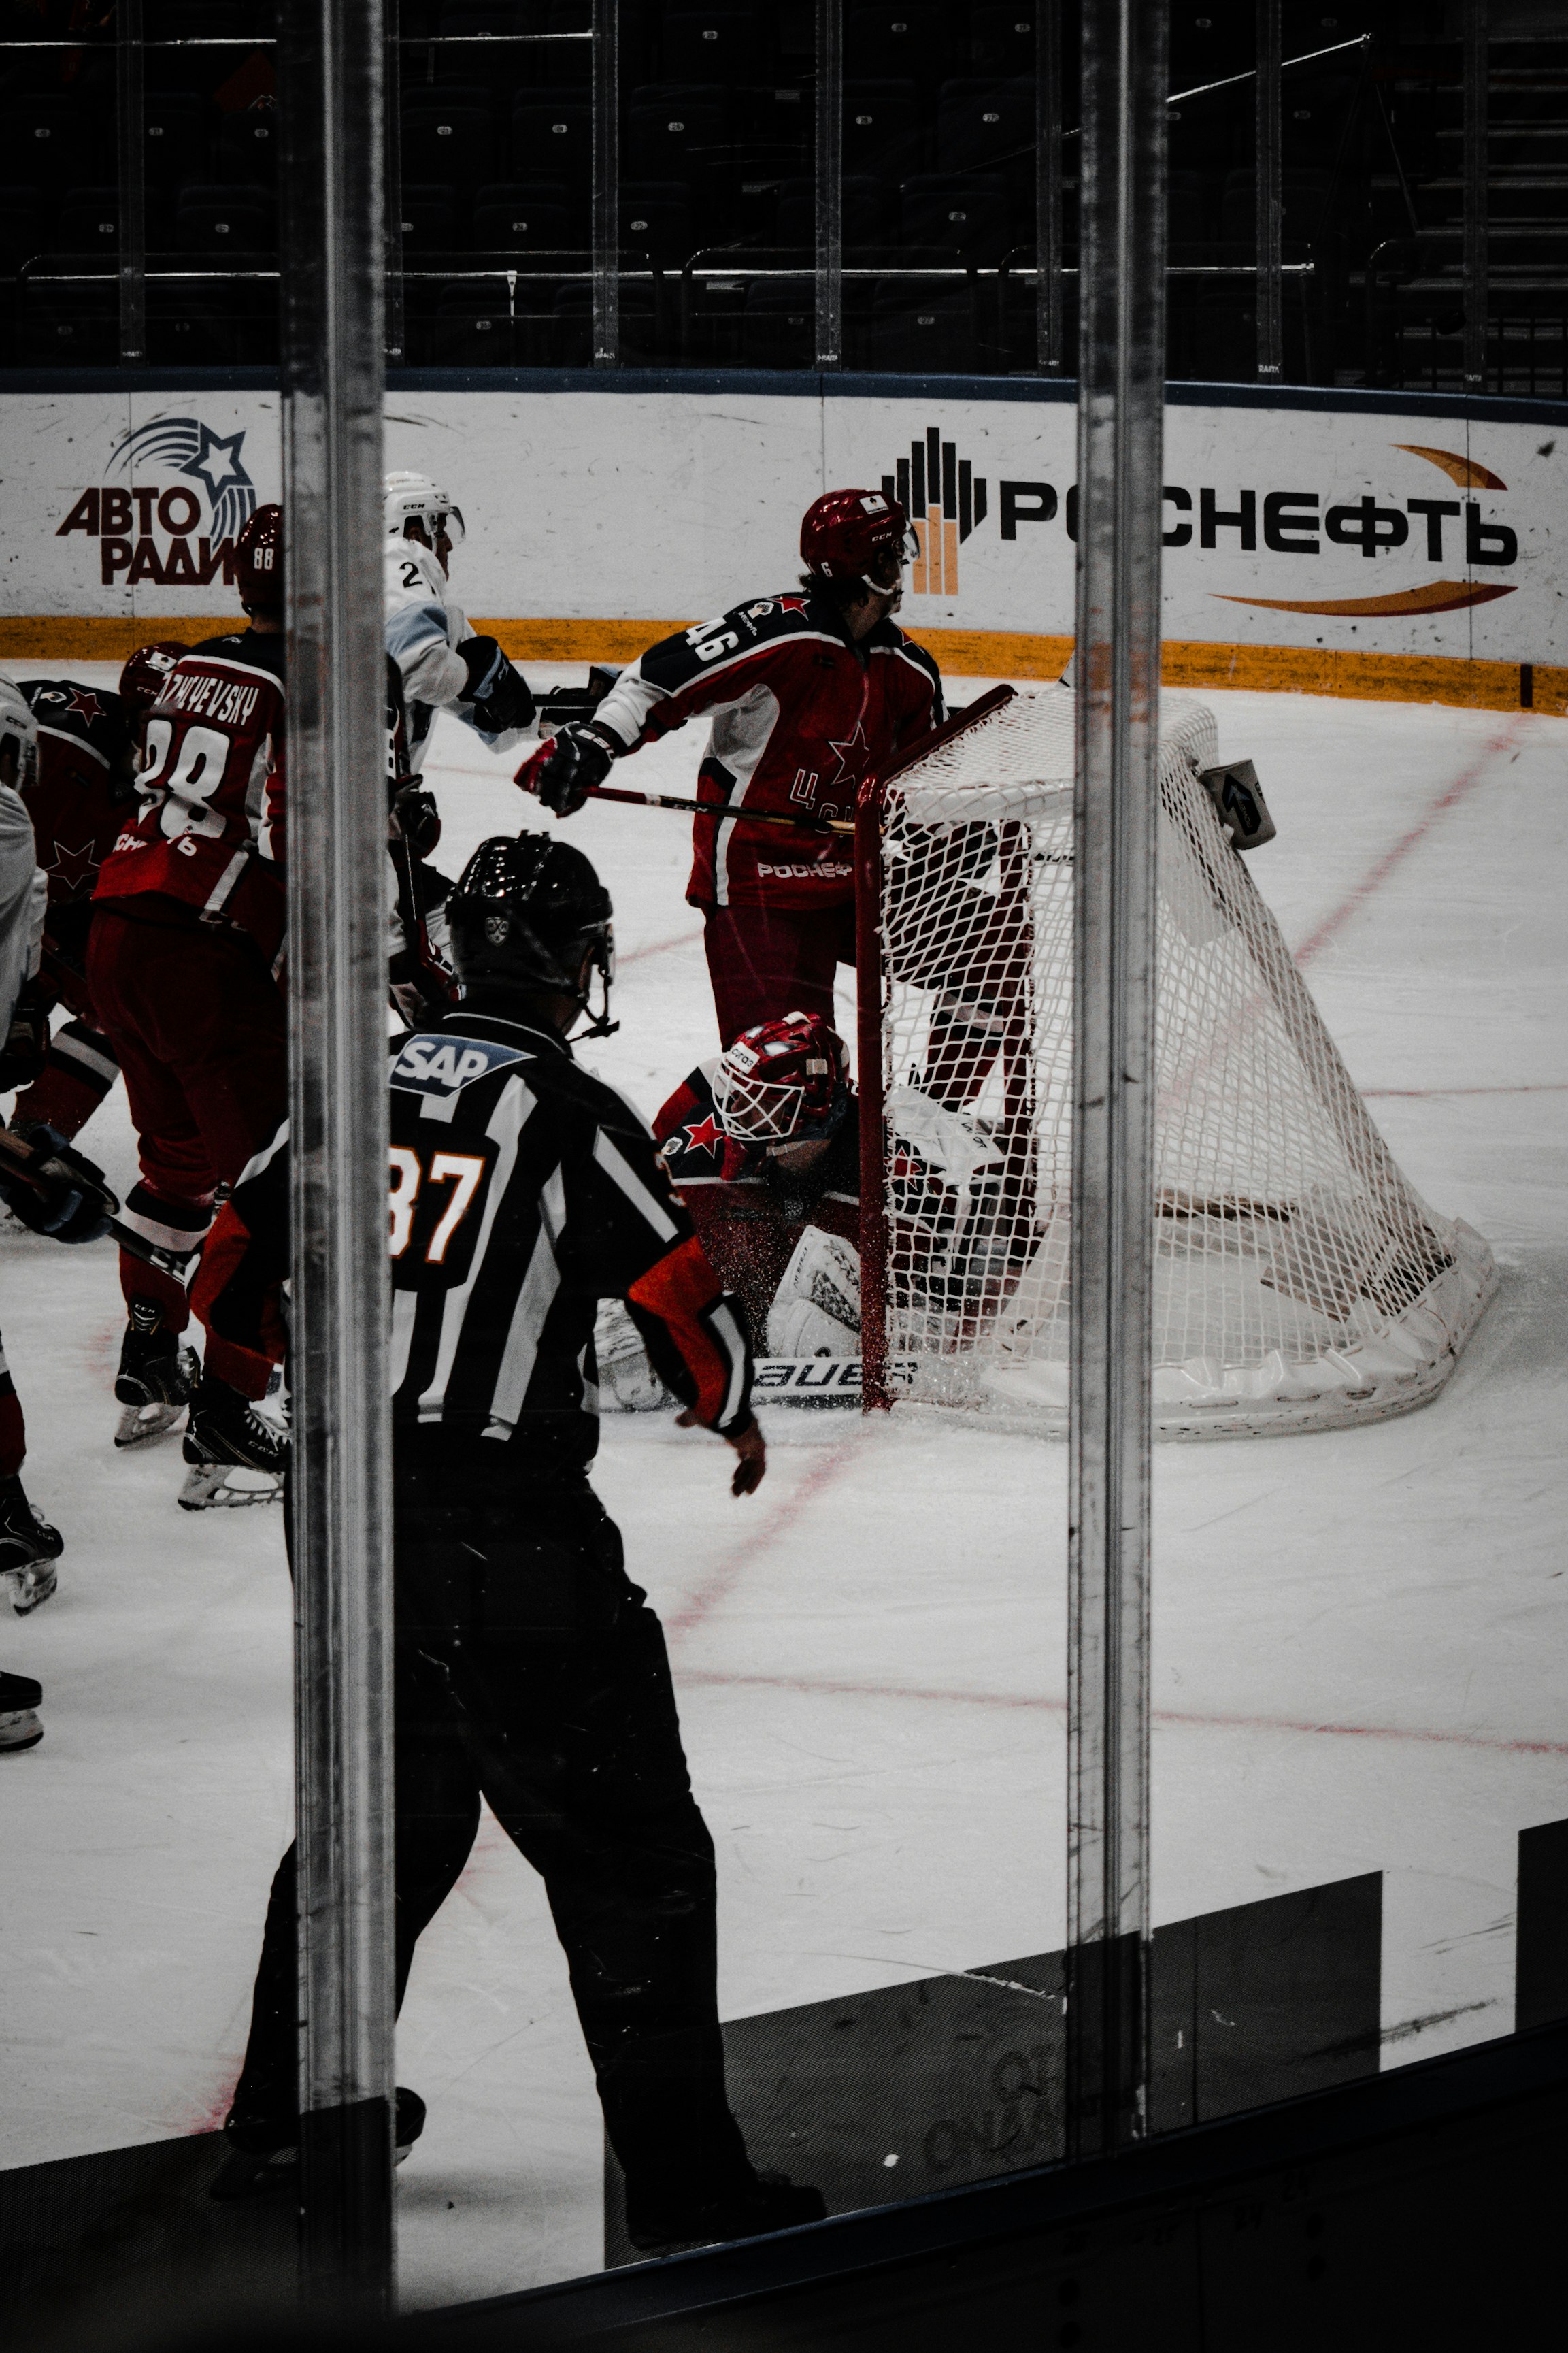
(176, 498)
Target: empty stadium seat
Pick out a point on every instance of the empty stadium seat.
(969, 219)
(532, 214)
(225, 220)
(551, 138)
(863, 205)
(919, 329)
(778, 325)
(247, 146)
(895, 41)
(50, 140)
(881, 126)
(448, 136)
(430, 220)
(711, 46)
(984, 123)
(69, 327)
(655, 219)
(1001, 39)
(178, 146)
(672, 130)
(87, 222)
(573, 338)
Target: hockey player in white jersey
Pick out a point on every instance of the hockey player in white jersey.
(444, 666)
(29, 1547)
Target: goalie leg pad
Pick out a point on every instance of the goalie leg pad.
(817, 1308)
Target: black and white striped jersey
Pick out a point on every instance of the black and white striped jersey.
(522, 1192)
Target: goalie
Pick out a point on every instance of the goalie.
(762, 1147)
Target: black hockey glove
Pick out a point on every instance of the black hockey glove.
(62, 1193)
(566, 770)
(498, 694)
(418, 820)
(26, 1043)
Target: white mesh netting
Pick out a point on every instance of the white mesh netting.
(1300, 1280)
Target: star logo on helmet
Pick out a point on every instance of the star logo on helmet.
(73, 868)
(706, 1135)
(83, 704)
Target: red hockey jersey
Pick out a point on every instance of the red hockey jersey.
(210, 830)
(800, 715)
(85, 782)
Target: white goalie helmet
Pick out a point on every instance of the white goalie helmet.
(415, 498)
(19, 734)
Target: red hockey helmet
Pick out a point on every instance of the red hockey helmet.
(258, 562)
(783, 1081)
(142, 681)
(844, 533)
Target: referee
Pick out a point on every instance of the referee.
(530, 1670)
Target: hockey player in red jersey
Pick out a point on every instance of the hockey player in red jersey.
(762, 1147)
(89, 747)
(808, 692)
(186, 945)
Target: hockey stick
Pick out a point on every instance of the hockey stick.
(722, 809)
(20, 1158)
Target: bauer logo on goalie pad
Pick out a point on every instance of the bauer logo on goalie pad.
(820, 1380)
(445, 1065)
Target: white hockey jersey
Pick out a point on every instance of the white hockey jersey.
(423, 628)
(24, 898)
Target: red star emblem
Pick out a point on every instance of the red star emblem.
(705, 1136)
(83, 704)
(73, 868)
(852, 745)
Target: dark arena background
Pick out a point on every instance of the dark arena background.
(1086, 1439)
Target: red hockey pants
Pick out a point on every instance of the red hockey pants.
(765, 962)
(198, 1024)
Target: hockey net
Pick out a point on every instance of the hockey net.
(1300, 1280)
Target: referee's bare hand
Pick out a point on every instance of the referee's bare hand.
(749, 1444)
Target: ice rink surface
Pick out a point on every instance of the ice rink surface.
(1358, 1636)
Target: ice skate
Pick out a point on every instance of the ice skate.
(236, 1456)
(264, 2153)
(767, 2202)
(30, 1549)
(19, 1726)
(157, 1375)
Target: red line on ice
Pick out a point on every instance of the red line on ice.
(1448, 799)
(833, 1688)
(782, 1517)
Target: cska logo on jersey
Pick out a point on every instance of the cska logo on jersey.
(706, 1135)
(84, 705)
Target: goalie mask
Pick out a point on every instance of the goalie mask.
(528, 911)
(415, 498)
(783, 1082)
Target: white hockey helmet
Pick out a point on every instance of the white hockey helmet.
(415, 498)
(18, 732)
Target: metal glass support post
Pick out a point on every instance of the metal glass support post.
(1270, 196)
(131, 140)
(606, 226)
(1048, 189)
(1121, 368)
(392, 115)
(331, 55)
(1476, 93)
(829, 183)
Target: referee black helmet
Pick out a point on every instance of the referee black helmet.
(529, 914)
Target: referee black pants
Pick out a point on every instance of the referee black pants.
(531, 1673)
